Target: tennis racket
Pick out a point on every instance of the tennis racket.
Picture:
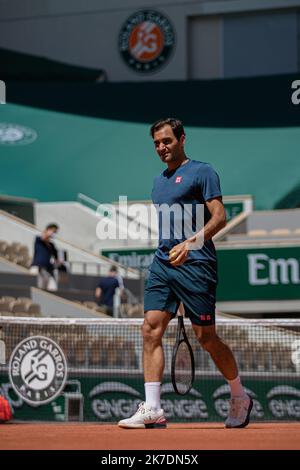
(183, 363)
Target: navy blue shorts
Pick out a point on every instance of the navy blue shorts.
(193, 284)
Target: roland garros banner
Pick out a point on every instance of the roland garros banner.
(146, 41)
(113, 397)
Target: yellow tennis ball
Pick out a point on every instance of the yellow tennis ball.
(173, 254)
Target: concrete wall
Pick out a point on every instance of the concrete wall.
(54, 306)
(271, 220)
(214, 39)
(260, 44)
(205, 52)
(8, 267)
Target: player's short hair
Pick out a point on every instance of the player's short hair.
(176, 125)
(54, 226)
(113, 269)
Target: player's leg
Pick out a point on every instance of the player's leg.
(196, 288)
(160, 306)
(150, 414)
(240, 403)
(154, 326)
(220, 353)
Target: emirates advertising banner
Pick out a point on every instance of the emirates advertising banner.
(259, 273)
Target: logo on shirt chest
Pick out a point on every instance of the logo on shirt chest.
(178, 179)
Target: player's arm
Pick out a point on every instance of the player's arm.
(98, 292)
(179, 253)
(217, 220)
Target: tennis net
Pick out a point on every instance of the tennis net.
(91, 370)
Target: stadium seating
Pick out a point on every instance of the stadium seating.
(126, 310)
(19, 307)
(16, 253)
(132, 311)
(260, 356)
(281, 232)
(257, 233)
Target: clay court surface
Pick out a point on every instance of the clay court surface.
(194, 436)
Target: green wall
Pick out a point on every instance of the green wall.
(104, 159)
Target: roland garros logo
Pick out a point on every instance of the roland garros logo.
(146, 41)
(13, 134)
(37, 370)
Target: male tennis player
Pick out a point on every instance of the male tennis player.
(181, 274)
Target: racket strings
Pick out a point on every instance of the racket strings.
(183, 368)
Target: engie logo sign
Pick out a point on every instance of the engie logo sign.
(113, 400)
(146, 41)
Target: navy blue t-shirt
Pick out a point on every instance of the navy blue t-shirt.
(192, 183)
(108, 285)
(44, 254)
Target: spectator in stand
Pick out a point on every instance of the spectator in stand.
(45, 258)
(106, 289)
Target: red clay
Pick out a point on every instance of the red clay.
(194, 436)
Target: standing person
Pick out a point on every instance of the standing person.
(180, 273)
(106, 289)
(45, 258)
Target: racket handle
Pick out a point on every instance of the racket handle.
(180, 311)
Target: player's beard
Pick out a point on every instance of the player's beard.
(171, 157)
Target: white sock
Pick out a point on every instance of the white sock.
(152, 392)
(236, 388)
